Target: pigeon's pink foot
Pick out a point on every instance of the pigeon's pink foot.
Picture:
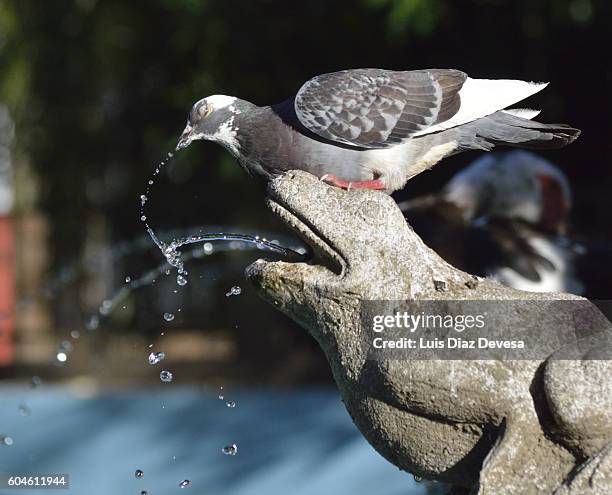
(375, 185)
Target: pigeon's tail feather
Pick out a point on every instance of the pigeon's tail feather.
(504, 128)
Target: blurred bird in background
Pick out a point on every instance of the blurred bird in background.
(506, 216)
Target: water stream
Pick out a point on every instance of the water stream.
(173, 255)
(174, 258)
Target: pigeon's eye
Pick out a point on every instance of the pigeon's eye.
(204, 110)
(199, 111)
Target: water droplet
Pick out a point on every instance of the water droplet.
(185, 483)
(66, 345)
(167, 272)
(35, 381)
(234, 291)
(93, 323)
(61, 357)
(417, 478)
(75, 334)
(181, 280)
(168, 316)
(24, 410)
(166, 376)
(143, 218)
(143, 199)
(128, 280)
(230, 449)
(106, 307)
(144, 492)
(170, 155)
(150, 182)
(156, 357)
(231, 404)
(139, 473)
(208, 248)
(6, 440)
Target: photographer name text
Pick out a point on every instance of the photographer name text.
(411, 323)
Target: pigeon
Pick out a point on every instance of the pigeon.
(506, 216)
(373, 128)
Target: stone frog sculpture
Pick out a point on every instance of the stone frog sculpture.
(487, 427)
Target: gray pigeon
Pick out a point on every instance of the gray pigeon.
(373, 128)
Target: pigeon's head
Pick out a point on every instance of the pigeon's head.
(518, 185)
(214, 119)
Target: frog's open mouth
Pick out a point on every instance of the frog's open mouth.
(323, 250)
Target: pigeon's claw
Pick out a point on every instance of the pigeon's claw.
(375, 184)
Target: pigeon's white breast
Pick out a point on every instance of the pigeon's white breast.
(399, 163)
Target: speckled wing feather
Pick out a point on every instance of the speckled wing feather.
(375, 108)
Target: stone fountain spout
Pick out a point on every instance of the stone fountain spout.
(491, 427)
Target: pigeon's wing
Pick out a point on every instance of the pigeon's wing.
(375, 108)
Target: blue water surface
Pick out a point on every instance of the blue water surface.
(300, 442)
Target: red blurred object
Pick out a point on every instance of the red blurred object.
(7, 290)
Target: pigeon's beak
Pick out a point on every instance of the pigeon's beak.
(185, 139)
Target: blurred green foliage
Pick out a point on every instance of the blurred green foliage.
(417, 16)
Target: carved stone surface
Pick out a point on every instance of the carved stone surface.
(495, 427)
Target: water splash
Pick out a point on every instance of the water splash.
(68, 274)
(109, 305)
(173, 255)
(174, 258)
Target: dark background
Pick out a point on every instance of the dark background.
(100, 90)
